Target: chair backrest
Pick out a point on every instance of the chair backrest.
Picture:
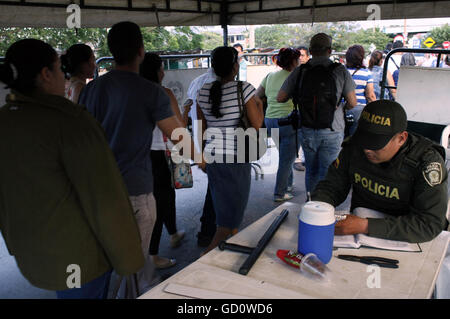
(430, 130)
(424, 94)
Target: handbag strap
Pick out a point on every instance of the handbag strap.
(392, 59)
(168, 153)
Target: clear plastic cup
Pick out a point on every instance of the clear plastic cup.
(314, 268)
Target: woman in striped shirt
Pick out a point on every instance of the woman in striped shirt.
(229, 181)
(363, 79)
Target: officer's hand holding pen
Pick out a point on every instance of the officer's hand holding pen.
(352, 225)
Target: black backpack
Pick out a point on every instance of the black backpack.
(316, 96)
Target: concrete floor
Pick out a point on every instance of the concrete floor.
(189, 209)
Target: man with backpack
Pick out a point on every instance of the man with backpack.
(316, 88)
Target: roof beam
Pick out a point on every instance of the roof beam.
(129, 7)
(330, 5)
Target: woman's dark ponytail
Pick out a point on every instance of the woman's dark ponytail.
(215, 95)
(222, 61)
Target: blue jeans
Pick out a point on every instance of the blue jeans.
(321, 148)
(95, 289)
(287, 152)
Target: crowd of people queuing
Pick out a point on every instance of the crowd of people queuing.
(93, 186)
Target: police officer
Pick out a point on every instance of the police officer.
(392, 171)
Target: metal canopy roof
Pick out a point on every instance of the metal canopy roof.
(104, 13)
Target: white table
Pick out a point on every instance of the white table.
(215, 275)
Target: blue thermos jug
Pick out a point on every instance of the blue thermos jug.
(316, 230)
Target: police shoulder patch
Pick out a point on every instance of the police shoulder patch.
(433, 173)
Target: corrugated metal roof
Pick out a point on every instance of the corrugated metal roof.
(104, 13)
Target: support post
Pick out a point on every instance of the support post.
(224, 20)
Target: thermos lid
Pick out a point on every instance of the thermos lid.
(317, 213)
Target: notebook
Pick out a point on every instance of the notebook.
(356, 241)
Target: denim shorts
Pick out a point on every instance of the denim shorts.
(229, 184)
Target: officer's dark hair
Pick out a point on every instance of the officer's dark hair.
(125, 41)
(74, 57)
(150, 67)
(375, 58)
(222, 61)
(354, 57)
(24, 60)
(285, 57)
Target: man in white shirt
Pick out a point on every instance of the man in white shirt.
(396, 58)
(208, 219)
(242, 62)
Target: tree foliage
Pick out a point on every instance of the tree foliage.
(368, 37)
(211, 40)
(155, 39)
(59, 38)
(440, 35)
(178, 39)
(344, 35)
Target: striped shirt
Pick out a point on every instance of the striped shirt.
(224, 140)
(362, 77)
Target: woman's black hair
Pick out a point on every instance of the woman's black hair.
(24, 60)
(285, 57)
(74, 57)
(150, 67)
(354, 57)
(222, 62)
